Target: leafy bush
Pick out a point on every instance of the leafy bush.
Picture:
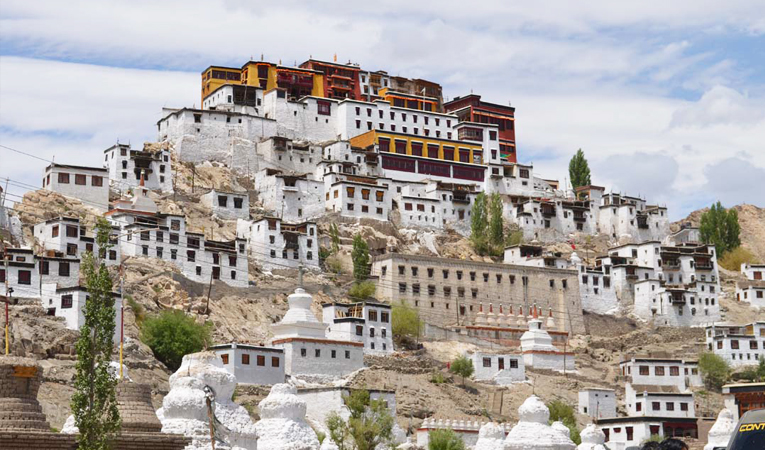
(173, 334)
(565, 413)
(363, 290)
(369, 426)
(463, 367)
(406, 324)
(334, 265)
(714, 369)
(438, 378)
(734, 258)
(444, 439)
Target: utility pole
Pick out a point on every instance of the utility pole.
(209, 288)
(122, 314)
(8, 293)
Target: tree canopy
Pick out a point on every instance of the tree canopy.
(579, 170)
(173, 334)
(445, 439)
(360, 257)
(714, 369)
(369, 425)
(479, 222)
(463, 367)
(720, 227)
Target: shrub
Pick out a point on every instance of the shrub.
(324, 253)
(173, 334)
(370, 424)
(463, 367)
(360, 257)
(444, 439)
(714, 369)
(138, 311)
(363, 290)
(734, 258)
(438, 378)
(334, 265)
(565, 413)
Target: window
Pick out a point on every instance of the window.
(674, 371)
(670, 406)
(96, 181)
(655, 406)
(54, 231)
(371, 332)
(683, 406)
(659, 371)
(644, 370)
(44, 267)
(324, 107)
(246, 359)
(66, 301)
(333, 354)
(384, 317)
(25, 277)
(317, 353)
(402, 288)
(359, 330)
(63, 178)
(71, 249)
(487, 362)
(224, 358)
(372, 316)
(63, 269)
(638, 406)
(303, 352)
(80, 179)
(191, 255)
(347, 354)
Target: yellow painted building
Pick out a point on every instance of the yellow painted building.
(216, 76)
(421, 146)
(404, 100)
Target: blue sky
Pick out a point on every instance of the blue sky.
(667, 99)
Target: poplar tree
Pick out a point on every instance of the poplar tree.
(721, 228)
(94, 402)
(579, 170)
(496, 224)
(479, 223)
(360, 257)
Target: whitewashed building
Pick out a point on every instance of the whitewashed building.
(534, 256)
(308, 351)
(226, 204)
(68, 302)
(90, 185)
(366, 322)
(27, 273)
(663, 401)
(357, 196)
(738, 345)
(68, 236)
(275, 244)
(753, 290)
(293, 198)
(125, 166)
(598, 403)
(252, 364)
(539, 351)
(501, 368)
(679, 373)
(628, 433)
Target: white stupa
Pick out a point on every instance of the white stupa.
(491, 436)
(299, 322)
(501, 317)
(283, 425)
(538, 349)
(722, 430)
(480, 318)
(521, 317)
(532, 431)
(550, 325)
(558, 426)
(202, 378)
(491, 318)
(592, 438)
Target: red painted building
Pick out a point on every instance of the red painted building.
(470, 108)
(340, 80)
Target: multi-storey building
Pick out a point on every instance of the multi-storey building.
(753, 290)
(90, 185)
(739, 345)
(291, 197)
(126, 166)
(27, 273)
(339, 81)
(679, 373)
(66, 235)
(275, 244)
(534, 256)
(449, 291)
(472, 109)
(366, 322)
(69, 303)
(358, 196)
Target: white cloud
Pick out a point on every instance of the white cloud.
(719, 105)
(733, 181)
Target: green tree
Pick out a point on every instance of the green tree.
(463, 367)
(362, 290)
(94, 402)
(334, 236)
(496, 225)
(579, 170)
(360, 257)
(720, 227)
(479, 222)
(405, 323)
(565, 413)
(173, 334)
(444, 439)
(369, 425)
(714, 369)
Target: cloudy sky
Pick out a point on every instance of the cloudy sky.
(666, 98)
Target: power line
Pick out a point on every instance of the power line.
(24, 153)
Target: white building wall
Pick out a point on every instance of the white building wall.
(738, 347)
(753, 294)
(81, 183)
(492, 372)
(753, 271)
(300, 120)
(377, 115)
(597, 403)
(270, 373)
(687, 373)
(324, 364)
(270, 255)
(70, 232)
(227, 205)
(618, 437)
(120, 160)
(338, 199)
(69, 303)
(303, 201)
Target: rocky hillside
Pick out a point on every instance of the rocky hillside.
(752, 221)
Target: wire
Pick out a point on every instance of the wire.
(24, 153)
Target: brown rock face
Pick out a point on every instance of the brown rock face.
(20, 380)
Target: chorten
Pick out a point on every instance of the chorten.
(480, 318)
(521, 317)
(299, 322)
(722, 430)
(491, 436)
(592, 439)
(491, 318)
(501, 317)
(550, 321)
(282, 425)
(532, 431)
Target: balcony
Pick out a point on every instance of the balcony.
(670, 264)
(579, 217)
(548, 211)
(705, 265)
